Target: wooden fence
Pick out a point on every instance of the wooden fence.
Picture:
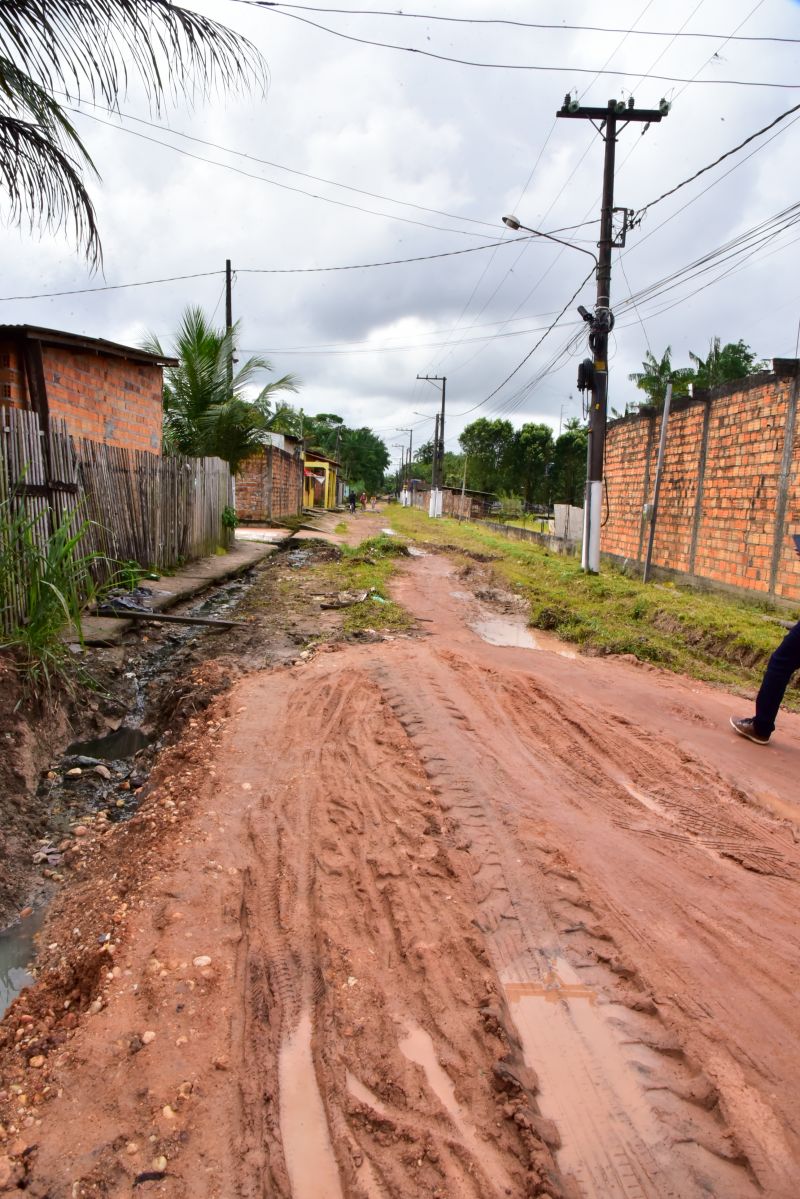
(141, 507)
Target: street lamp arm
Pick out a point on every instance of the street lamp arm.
(513, 223)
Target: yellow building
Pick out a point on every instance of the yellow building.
(320, 481)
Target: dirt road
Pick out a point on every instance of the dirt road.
(439, 916)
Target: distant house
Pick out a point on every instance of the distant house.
(103, 391)
(322, 486)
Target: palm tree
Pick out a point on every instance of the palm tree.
(725, 363)
(78, 47)
(655, 375)
(208, 409)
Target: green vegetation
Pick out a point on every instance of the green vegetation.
(208, 410)
(43, 574)
(527, 464)
(229, 518)
(363, 455)
(341, 527)
(368, 567)
(704, 634)
(723, 364)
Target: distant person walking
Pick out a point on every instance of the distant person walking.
(363, 501)
(351, 502)
(373, 504)
(780, 668)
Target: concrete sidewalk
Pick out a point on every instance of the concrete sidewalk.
(169, 590)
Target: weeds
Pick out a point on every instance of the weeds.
(341, 527)
(369, 567)
(44, 584)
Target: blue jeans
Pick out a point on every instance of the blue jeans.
(782, 665)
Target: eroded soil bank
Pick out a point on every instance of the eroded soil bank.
(430, 915)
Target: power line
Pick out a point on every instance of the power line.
(226, 166)
(280, 167)
(79, 291)
(531, 352)
(507, 21)
(298, 270)
(506, 66)
(640, 213)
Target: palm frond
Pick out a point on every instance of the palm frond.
(96, 44)
(43, 183)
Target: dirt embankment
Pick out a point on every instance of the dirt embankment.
(453, 913)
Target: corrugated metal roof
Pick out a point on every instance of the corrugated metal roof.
(97, 345)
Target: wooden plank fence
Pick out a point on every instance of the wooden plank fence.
(158, 512)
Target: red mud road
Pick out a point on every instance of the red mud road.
(448, 918)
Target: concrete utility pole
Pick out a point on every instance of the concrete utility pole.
(410, 447)
(437, 471)
(593, 375)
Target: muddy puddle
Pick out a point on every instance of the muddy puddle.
(505, 631)
(304, 1126)
(590, 1071)
(417, 1045)
(17, 951)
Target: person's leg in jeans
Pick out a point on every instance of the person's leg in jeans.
(782, 665)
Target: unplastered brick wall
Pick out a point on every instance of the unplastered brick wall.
(269, 485)
(12, 381)
(105, 398)
(730, 488)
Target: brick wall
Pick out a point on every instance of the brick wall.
(100, 396)
(730, 490)
(12, 381)
(268, 486)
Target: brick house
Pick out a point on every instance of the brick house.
(269, 485)
(103, 391)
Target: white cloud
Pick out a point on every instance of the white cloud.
(446, 137)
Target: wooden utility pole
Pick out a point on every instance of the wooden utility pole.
(229, 319)
(609, 121)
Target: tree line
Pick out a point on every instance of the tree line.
(528, 462)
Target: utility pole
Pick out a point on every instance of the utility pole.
(410, 446)
(229, 319)
(438, 442)
(593, 375)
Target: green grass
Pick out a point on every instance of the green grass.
(368, 567)
(704, 634)
(534, 523)
(341, 527)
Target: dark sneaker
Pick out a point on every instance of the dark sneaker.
(746, 728)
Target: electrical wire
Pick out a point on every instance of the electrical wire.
(505, 66)
(371, 12)
(226, 166)
(710, 166)
(299, 270)
(280, 167)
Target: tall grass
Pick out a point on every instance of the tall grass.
(45, 583)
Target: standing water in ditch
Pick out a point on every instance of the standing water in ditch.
(17, 951)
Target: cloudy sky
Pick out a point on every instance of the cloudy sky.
(445, 151)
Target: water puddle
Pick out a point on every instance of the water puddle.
(418, 1047)
(114, 747)
(497, 631)
(609, 1134)
(462, 595)
(304, 1127)
(17, 951)
(364, 1095)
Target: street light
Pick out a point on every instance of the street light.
(514, 223)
